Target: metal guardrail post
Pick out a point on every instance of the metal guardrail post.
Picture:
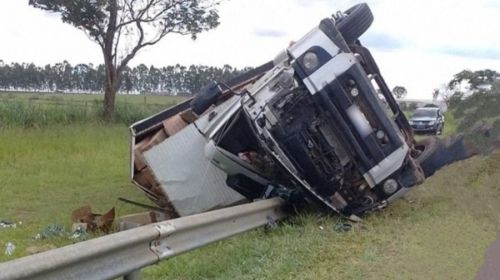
(136, 274)
(121, 253)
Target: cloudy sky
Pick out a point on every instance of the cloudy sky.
(417, 44)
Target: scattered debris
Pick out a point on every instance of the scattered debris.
(78, 226)
(52, 230)
(94, 222)
(79, 232)
(9, 248)
(342, 227)
(271, 223)
(6, 224)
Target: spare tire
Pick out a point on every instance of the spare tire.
(355, 22)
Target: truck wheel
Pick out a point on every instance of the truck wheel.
(427, 146)
(355, 22)
(430, 159)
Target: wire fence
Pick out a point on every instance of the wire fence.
(31, 110)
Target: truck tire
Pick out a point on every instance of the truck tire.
(430, 159)
(355, 22)
(427, 146)
(437, 153)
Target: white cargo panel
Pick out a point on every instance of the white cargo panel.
(191, 183)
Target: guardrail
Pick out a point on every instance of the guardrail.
(121, 253)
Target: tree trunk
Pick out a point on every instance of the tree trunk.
(111, 82)
(110, 89)
(109, 103)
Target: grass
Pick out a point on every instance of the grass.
(41, 110)
(69, 97)
(439, 231)
(48, 173)
(450, 124)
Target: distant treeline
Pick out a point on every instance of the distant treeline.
(88, 78)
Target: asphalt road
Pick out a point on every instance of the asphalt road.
(490, 270)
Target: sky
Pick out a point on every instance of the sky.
(417, 44)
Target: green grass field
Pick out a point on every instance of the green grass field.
(46, 173)
(59, 97)
(42, 110)
(440, 231)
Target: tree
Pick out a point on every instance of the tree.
(412, 106)
(122, 28)
(127, 82)
(399, 92)
(468, 81)
(435, 94)
(87, 78)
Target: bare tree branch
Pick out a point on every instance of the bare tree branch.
(114, 23)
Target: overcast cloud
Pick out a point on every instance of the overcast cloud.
(269, 33)
(417, 44)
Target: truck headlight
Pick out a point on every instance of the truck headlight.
(310, 61)
(390, 186)
(432, 122)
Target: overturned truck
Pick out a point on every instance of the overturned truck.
(318, 122)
